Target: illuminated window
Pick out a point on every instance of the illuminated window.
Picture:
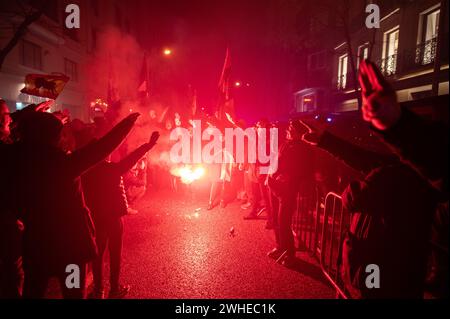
(428, 32)
(390, 49)
(342, 71)
(309, 103)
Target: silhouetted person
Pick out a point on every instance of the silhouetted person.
(390, 227)
(106, 199)
(259, 188)
(391, 208)
(421, 144)
(295, 173)
(11, 275)
(46, 190)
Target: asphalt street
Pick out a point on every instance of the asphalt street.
(175, 248)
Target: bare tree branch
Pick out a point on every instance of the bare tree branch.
(21, 31)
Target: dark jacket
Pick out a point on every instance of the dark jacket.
(46, 190)
(390, 226)
(423, 145)
(359, 159)
(392, 209)
(295, 169)
(103, 186)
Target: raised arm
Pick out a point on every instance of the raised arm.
(352, 155)
(131, 159)
(84, 158)
(421, 144)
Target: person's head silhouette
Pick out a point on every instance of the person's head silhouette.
(40, 128)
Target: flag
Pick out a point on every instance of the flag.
(48, 86)
(224, 82)
(225, 102)
(144, 85)
(113, 92)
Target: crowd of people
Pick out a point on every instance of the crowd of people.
(61, 205)
(63, 196)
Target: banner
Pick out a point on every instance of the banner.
(48, 86)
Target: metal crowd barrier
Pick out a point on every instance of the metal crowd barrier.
(320, 231)
(335, 221)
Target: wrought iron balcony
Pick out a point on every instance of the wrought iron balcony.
(342, 81)
(426, 52)
(388, 65)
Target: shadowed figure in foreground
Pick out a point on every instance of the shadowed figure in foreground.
(105, 197)
(46, 191)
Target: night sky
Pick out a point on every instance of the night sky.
(199, 32)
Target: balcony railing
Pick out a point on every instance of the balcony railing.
(388, 65)
(342, 81)
(426, 52)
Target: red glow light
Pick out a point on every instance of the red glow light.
(187, 174)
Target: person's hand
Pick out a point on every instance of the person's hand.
(313, 135)
(154, 138)
(380, 106)
(44, 106)
(64, 117)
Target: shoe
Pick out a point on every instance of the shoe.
(97, 294)
(120, 293)
(246, 205)
(275, 253)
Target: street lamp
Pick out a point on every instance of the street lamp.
(167, 52)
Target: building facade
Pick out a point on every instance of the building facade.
(405, 47)
(50, 47)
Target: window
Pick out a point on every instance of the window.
(363, 53)
(31, 55)
(390, 49)
(309, 103)
(71, 69)
(428, 32)
(342, 71)
(431, 26)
